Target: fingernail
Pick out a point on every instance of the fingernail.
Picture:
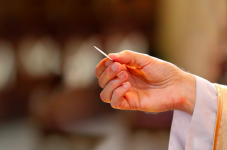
(121, 74)
(108, 62)
(125, 85)
(114, 67)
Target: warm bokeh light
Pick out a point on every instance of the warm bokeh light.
(7, 65)
(80, 62)
(40, 57)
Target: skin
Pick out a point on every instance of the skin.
(135, 81)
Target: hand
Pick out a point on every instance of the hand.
(139, 82)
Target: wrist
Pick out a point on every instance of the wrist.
(188, 87)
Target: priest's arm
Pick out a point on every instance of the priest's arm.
(135, 81)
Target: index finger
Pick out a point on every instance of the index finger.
(101, 67)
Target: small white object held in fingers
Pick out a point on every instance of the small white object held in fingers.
(103, 53)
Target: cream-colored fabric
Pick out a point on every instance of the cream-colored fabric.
(196, 132)
(220, 139)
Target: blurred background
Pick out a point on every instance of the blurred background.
(49, 95)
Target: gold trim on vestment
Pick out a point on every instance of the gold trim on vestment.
(220, 136)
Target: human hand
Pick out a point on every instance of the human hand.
(137, 81)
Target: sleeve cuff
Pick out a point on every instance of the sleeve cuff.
(196, 132)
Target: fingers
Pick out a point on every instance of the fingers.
(107, 92)
(118, 100)
(132, 58)
(109, 73)
(101, 67)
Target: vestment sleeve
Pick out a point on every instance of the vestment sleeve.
(196, 132)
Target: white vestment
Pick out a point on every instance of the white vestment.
(196, 132)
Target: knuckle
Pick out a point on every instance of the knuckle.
(113, 83)
(100, 83)
(117, 92)
(121, 105)
(96, 67)
(116, 105)
(113, 105)
(125, 52)
(102, 96)
(108, 73)
(96, 72)
(108, 76)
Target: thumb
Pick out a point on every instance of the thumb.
(131, 58)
